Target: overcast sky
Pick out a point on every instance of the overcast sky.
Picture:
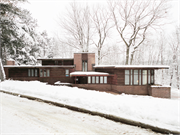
(48, 11)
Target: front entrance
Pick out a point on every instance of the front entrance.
(80, 80)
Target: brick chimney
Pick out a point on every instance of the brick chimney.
(10, 62)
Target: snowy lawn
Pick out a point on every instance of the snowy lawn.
(163, 113)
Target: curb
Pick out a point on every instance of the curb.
(107, 116)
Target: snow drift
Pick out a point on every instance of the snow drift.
(163, 113)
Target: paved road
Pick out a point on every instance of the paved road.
(21, 116)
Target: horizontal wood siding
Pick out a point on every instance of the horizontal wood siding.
(16, 72)
(106, 70)
(48, 62)
(57, 62)
(120, 76)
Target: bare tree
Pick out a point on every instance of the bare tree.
(175, 48)
(133, 18)
(100, 19)
(76, 26)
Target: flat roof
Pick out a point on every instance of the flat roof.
(88, 74)
(37, 66)
(133, 66)
(55, 59)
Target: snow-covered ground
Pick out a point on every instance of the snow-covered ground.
(20, 116)
(163, 113)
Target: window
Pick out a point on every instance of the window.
(139, 77)
(44, 72)
(97, 79)
(84, 65)
(152, 76)
(136, 81)
(105, 79)
(144, 77)
(48, 73)
(126, 77)
(101, 79)
(29, 72)
(93, 79)
(149, 76)
(41, 73)
(89, 79)
(36, 73)
(131, 76)
(32, 72)
(56, 62)
(67, 72)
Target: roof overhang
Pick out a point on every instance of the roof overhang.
(55, 59)
(133, 66)
(89, 74)
(39, 66)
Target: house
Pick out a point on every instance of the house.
(82, 72)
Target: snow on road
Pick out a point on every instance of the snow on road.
(163, 113)
(22, 116)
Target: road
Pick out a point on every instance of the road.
(22, 116)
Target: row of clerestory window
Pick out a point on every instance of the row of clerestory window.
(43, 72)
(97, 79)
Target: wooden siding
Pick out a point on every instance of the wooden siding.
(18, 72)
(57, 62)
(120, 76)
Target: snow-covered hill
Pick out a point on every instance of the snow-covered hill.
(163, 113)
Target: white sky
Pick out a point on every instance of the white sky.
(48, 11)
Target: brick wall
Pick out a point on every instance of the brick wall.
(91, 60)
(162, 92)
(98, 87)
(135, 90)
(78, 61)
(10, 62)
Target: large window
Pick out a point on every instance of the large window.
(127, 75)
(144, 77)
(136, 79)
(139, 77)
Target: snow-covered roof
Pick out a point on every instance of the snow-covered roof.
(36, 66)
(55, 59)
(88, 73)
(133, 66)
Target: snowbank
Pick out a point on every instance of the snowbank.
(163, 113)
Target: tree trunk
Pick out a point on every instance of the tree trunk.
(2, 74)
(132, 56)
(99, 57)
(127, 55)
